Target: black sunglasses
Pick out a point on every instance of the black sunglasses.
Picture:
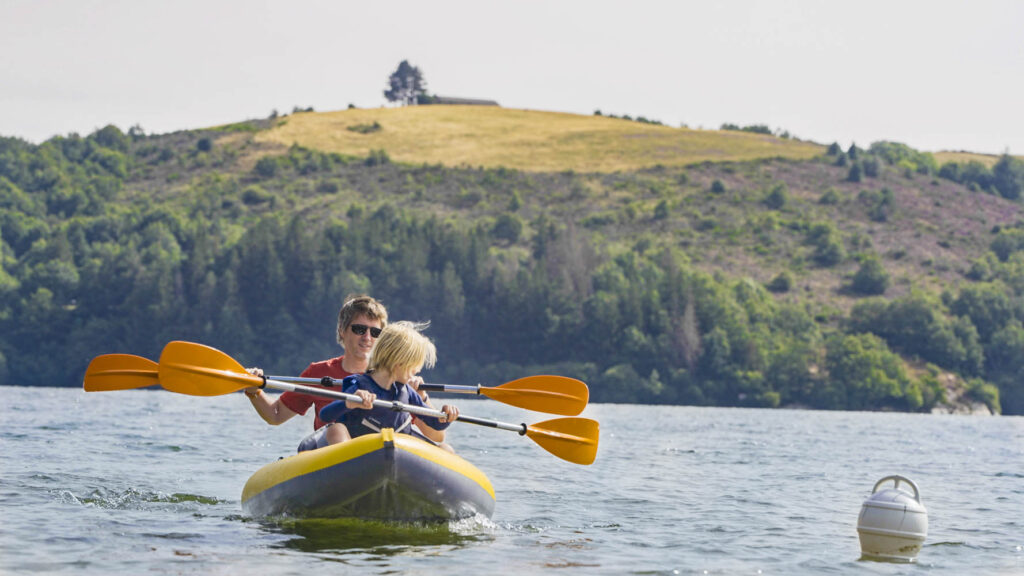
(360, 329)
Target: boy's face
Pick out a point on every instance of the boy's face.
(403, 375)
(359, 346)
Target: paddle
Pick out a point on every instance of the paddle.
(543, 393)
(550, 394)
(199, 370)
(119, 372)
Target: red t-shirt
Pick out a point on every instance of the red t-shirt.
(299, 403)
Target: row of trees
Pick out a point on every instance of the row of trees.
(83, 272)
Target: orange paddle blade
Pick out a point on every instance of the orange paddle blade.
(198, 370)
(572, 439)
(119, 372)
(551, 394)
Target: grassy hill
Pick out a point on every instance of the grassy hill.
(607, 176)
(602, 228)
(527, 140)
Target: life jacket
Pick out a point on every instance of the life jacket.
(373, 423)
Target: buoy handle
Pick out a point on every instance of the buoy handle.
(897, 480)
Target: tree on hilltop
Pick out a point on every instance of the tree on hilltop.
(405, 84)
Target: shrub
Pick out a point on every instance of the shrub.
(871, 279)
(830, 197)
(984, 392)
(328, 187)
(254, 195)
(777, 197)
(507, 227)
(267, 167)
(782, 283)
(377, 158)
(661, 210)
(204, 144)
(717, 187)
(854, 175)
(365, 128)
(1008, 177)
(871, 167)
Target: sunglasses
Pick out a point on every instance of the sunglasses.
(360, 330)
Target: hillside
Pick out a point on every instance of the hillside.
(857, 279)
(534, 141)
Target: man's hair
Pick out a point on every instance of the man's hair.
(402, 346)
(356, 304)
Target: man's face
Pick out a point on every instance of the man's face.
(359, 346)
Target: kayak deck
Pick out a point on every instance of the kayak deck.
(384, 476)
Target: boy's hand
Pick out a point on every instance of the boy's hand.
(367, 403)
(451, 413)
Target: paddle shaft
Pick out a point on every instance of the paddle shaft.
(455, 388)
(274, 382)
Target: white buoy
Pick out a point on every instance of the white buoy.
(893, 523)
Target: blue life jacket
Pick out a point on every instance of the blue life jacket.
(361, 422)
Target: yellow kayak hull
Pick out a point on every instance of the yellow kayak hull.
(383, 476)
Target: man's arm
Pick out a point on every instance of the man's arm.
(273, 412)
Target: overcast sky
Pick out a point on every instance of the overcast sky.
(937, 75)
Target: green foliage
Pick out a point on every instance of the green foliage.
(755, 128)
(781, 283)
(894, 154)
(988, 306)
(378, 158)
(1008, 177)
(985, 393)
(1007, 242)
(111, 137)
(863, 373)
(267, 167)
(507, 227)
(828, 246)
(405, 84)
(99, 254)
(972, 174)
(879, 203)
(365, 128)
(777, 197)
(871, 278)
(661, 211)
(855, 173)
(830, 197)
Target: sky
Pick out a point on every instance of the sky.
(936, 75)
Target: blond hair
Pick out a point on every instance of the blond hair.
(360, 304)
(401, 346)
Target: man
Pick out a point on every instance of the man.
(360, 321)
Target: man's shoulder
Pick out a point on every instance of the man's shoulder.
(323, 368)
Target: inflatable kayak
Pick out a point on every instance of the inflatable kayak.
(383, 476)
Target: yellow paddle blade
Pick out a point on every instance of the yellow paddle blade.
(119, 372)
(551, 394)
(572, 439)
(198, 370)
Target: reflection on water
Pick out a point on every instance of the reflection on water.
(376, 537)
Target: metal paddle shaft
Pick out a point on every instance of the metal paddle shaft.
(540, 393)
(396, 406)
(571, 439)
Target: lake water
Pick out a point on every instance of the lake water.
(149, 482)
